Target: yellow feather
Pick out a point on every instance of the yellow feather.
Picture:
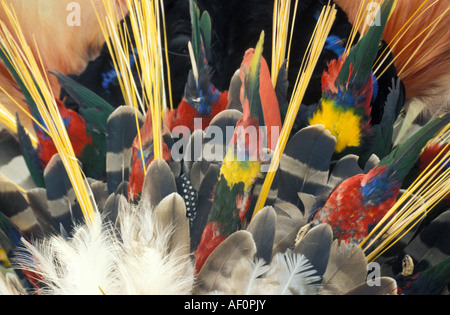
(343, 123)
(9, 121)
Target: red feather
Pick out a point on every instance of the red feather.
(211, 238)
(329, 77)
(76, 129)
(185, 114)
(346, 213)
(269, 101)
(429, 154)
(137, 174)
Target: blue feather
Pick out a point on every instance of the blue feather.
(379, 188)
(375, 88)
(333, 43)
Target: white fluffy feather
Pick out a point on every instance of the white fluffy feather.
(147, 266)
(84, 264)
(134, 259)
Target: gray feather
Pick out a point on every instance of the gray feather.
(234, 92)
(198, 172)
(289, 221)
(14, 205)
(345, 168)
(305, 163)
(158, 183)
(307, 203)
(219, 134)
(193, 151)
(37, 199)
(100, 191)
(204, 204)
(281, 89)
(316, 246)
(63, 208)
(431, 246)
(121, 132)
(346, 269)
(262, 228)
(171, 213)
(111, 207)
(218, 268)
(371, 163)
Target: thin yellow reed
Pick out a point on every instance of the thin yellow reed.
(420, 198)
(315, 47)
(30, 71)
(146, 20)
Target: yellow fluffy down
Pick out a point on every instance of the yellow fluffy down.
(343, 123)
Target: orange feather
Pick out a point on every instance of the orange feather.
(269, 101)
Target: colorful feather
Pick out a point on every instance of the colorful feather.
(241, 166)
(347, 89)
(375, 192)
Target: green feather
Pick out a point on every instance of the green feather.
(205, 27)
(362, 55)
(252, 83)
(196, 33)
(402, 159)
(30, 155)
(95, 111)
(201, 35)
(224, 209)
(433, 280)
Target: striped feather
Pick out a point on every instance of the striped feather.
(120, 137)
(306, 170)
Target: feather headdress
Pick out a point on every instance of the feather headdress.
(200, 225)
